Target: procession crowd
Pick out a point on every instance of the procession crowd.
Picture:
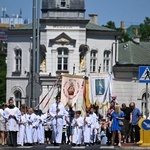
(59, 125)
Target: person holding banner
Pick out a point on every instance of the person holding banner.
(57, 111)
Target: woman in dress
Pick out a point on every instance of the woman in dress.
(3, 125)
(116, 126)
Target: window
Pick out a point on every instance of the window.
(18, 98)
(93, 61)
(18, 58)
(106, 63)
(63, 3)
(62, 59)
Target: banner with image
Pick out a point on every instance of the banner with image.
(71, 87)
(100, 87)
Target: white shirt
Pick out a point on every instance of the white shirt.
(12, 123)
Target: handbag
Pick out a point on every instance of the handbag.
(121, 123)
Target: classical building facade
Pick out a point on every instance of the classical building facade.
(69, 43)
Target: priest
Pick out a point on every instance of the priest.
(12, 114)
(57, 111)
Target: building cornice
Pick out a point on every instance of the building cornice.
(67, 20)
(102, 33)
(125, 69)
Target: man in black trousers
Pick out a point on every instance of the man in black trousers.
(12, 115)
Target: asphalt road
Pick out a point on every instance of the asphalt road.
(62, 147)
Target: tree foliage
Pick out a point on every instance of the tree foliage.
(145, 29)
(2, 76)
(124, 37)
(111, 25)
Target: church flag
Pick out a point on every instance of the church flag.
(86, 93)
(100, 87)
(70, 89)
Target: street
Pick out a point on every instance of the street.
(68, 147)
(62, 147)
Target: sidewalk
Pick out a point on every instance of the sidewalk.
(132, 146)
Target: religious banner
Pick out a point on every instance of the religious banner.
(100, 87)
(71, 87)
(86, 93)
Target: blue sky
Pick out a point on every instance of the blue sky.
(129, 11)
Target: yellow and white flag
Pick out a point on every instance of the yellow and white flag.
(71, 87)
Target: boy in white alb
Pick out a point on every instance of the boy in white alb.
(21, 133)
(87, 128)
(94, 125)
(77, 124)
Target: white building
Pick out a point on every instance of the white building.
(68, 43)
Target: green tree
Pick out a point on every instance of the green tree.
(111, 25)
(2, 76)
(124, 37)
(145, 29)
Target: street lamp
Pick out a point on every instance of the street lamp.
(112, 55)
(33, 81)
(30, 50)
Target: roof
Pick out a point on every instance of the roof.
(89, 26)
(131, 53)
(94, 27)
(23, 27)
(131, 30)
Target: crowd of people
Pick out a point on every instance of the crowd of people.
(59, 125)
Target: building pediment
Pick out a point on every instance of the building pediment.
(63, 39)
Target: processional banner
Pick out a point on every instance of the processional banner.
(100, 87)
(71, 87)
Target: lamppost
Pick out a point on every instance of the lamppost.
(30, 50)
(112, 55)
(33, 98)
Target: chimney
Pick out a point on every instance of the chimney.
(135, 30)
(93, 18)
(136, 38)
(122, 27)
(122, 24)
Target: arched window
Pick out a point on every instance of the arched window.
(18, 59)
(106, 61)
(93, 60)
(18, 96)
(62, 62)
